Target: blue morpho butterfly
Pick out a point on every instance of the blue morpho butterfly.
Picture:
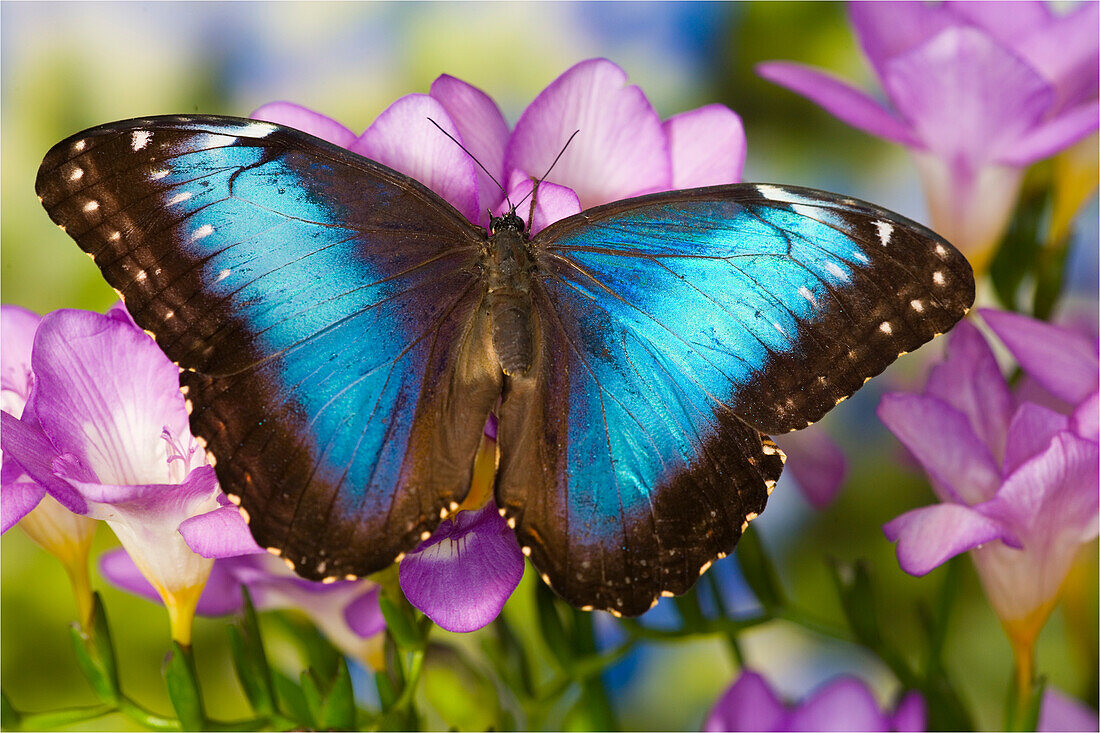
(343, 334)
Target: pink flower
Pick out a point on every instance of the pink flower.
(977, 91)
(462, 576)
(844, 703)
(105, 433)
(1017, 480)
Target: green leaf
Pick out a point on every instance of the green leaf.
(853, 584)
(508, 657)
(95, 653)
(1050, 277)
(338, 711)
(401, 627)
(551, 627)
(292, 699)
(592, 711)
(183, 687)
(315, 699)
(386, 692)
(758, 571)
(1019, 251)
(250, 660)
(318, 650)
(462, 695)
(9, 716)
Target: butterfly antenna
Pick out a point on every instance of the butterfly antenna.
(479, 165)
(547, 173)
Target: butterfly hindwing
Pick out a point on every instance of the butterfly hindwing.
(678, 328)
(325, 312)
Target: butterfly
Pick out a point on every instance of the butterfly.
(343, 333)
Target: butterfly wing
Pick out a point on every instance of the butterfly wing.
(677, 329)
(326, 313)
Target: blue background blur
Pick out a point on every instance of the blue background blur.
(68, 66)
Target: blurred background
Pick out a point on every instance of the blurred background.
(68, 66)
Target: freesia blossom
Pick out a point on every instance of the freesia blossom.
(976, 90)
(105, 433)
(464, 573)
(57, 530)
(844, 703)
(1017, 480)
(347, 612)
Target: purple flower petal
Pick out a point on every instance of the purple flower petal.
(106, 393)
(970, 381)
(1060, 712)
(1086, 418)
(403, 138)
(929, 536)
(911, 714)
(364, 616)
(620, 151)
(748, 705)
(200, 487)
(707, 146)
(1007, 22)
(1065, 51)
(220, 533)
(220, 596)
(19, 497)
(1063, 361)
(30, 447)
(1053, 136)
(843, 705)
(941, 439)
(483, 131)
(554, 202)
(966, 96)
(306, 120)
(816, 463)
(839, 99)
(462, 576)
(886, 30)
(1056, 492)
(18, 326)
(1032, 428)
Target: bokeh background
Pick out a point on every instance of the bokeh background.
(68, 66)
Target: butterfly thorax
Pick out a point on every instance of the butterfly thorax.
(509, 294)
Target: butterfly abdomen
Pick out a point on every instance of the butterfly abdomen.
(510, 305)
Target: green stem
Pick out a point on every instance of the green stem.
(412, 678)
(149, 719)
(65, 716)
(723, 612)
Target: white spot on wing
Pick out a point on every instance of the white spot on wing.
(917, 305)
(77, 174)
(139, 139)
(941, 250)
(885, 231)
(204, 231)
(157, 175)
(223, 275)
(771, 192)
(834, 270)
(806, 293)
(91, 206)
(937, 277)
(179, 197)
(79, 145)
(258, 129)
(886, 327)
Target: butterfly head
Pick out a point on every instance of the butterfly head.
(509, 221)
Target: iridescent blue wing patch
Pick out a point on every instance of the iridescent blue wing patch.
(676, 330)
(325, 312)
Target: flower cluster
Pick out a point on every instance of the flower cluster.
(977, 92)
(1016, 473)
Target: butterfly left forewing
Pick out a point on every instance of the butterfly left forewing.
(325, 312)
